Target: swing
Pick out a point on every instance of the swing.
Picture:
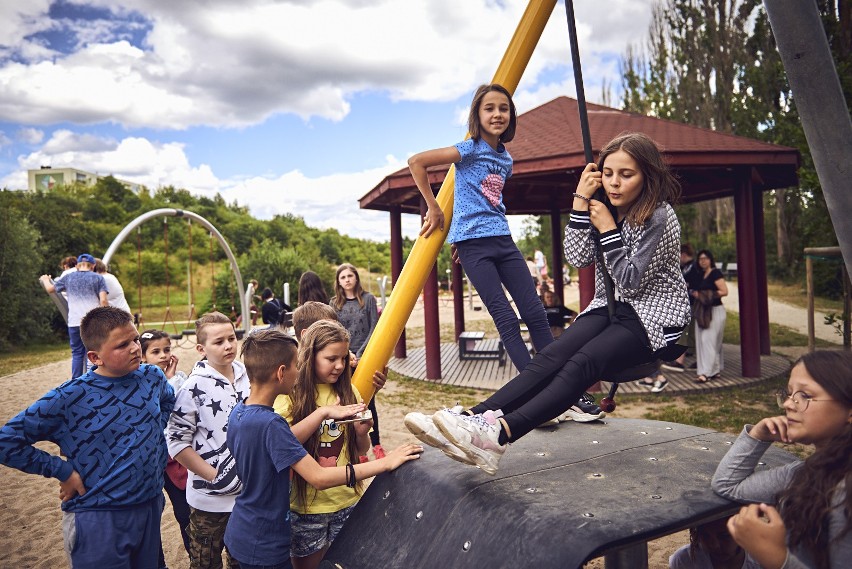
(168, 315)
(643, 369)
(191, 315)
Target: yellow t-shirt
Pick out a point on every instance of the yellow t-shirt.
(332, 452)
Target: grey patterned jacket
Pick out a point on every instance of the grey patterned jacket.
(644, 263)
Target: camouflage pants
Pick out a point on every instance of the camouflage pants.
(207, 540)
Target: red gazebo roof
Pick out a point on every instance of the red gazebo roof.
(548, 156)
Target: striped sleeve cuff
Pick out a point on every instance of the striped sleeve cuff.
(611, 240)
(579, 219)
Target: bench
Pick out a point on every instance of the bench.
(468, 351)
(731, 270)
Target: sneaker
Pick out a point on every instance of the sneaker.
(673, 366)
(645, 382)
(378, 451)
(659, 385)
(477, 436)
(551, 423)
(422, 427)
(584, 410)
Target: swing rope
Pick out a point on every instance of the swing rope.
(139, 274)
(168, 315)
(212, 274)
(191, 315)
(645, 368)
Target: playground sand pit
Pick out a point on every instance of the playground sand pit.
(31, 520)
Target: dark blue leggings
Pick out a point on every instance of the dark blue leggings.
(592, 346)
(491, 263)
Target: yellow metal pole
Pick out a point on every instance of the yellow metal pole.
(425, 250)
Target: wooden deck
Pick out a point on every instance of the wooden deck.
(487, 374)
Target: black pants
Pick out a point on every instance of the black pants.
(556, 377)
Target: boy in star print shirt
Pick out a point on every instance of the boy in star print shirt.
(197, 435)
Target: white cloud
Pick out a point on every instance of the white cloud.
(4, 140)
(325, 202)
(234, 64)
(30, 135)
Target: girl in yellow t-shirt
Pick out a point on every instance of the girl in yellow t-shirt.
(324, 384)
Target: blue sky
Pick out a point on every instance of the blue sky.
(288, 106)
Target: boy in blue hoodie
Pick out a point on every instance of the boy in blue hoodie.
(109, 425)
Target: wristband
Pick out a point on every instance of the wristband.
(582, 197)
(351, 481)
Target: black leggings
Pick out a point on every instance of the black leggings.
(592, 346)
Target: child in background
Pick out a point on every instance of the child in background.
(111, 476)
(311, 288)
(357, 311)
(711, 547)
(157, 350)
(264, 448)
(197, 437)
(324, 383)
(814, 526)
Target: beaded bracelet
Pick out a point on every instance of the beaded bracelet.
(582, 197)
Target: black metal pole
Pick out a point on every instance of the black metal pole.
(578, 81)
(587, 140)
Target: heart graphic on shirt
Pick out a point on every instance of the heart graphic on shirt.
(492, 187)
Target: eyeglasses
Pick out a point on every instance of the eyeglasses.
(800, 399)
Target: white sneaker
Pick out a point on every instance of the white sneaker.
(422, 427)
(477, 436)
(660, 384)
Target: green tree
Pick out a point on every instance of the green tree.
(25, 312)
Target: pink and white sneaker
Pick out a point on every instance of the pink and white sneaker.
(422, 427)
(475, 435)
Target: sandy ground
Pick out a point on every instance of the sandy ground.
(30, 517)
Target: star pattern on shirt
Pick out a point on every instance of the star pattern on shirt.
(215, 406)
(220, 382)
(197, 391)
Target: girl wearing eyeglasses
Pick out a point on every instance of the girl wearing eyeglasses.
(801, 513)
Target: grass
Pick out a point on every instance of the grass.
(28, 357)
(796, 295)
(779, 336)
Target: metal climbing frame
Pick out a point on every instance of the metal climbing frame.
(168, 212)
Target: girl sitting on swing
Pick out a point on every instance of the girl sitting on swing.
(639, 247)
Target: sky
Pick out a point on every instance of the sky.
(286, 106)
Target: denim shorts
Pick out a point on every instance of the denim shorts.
(313, 532)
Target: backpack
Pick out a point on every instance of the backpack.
(283, 309)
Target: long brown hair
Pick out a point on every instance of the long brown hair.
(317, 337)
(339, 294)
(473, 126)
(311, 288)
(806, 502)
(659, 184)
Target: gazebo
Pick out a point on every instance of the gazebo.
(548, 158)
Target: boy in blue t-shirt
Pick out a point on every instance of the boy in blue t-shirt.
(109, 426)
(264, 448)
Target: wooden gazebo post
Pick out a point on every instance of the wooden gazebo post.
(396, 265)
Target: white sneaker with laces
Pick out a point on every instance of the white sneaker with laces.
(660, 384)
(422, 427)
(477, 436)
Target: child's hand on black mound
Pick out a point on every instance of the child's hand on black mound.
(402, 454)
